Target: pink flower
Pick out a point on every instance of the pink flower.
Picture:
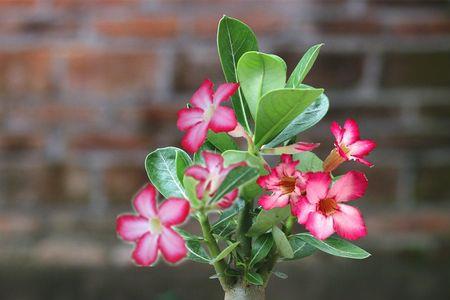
(206, 113)
(152, 229)
(211, 177)
(285, 182)
(291, 149)
(348, 146)
(322, 210)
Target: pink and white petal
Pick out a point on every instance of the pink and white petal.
(188, 117)
(351, 132)
(223, 120)
(195, 137)
(337, 131)
(317, 186)
(172, 245)
(286, 158)
(224, 92)
(361, 148)
(214, 161)
(173, 211)
(349, 223)
(145, 201)
(203, 97)
(200, 189)
(303, 209)
(130, 227)
(362, 160)
(319, 225)
(350, 186)
(228, 199)
(275, 200)
(146, 251)
(302, 146)
(197, 172)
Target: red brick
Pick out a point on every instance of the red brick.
(360, 26)
(148, 27)
(25, 71)
(123, 181)
(20, 142)
(428, 27)
(111, 72)
(109, 142)
(52, 26)
(17, 3)
(77, 4)
(432, 183)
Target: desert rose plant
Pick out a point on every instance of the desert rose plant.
(246, 208)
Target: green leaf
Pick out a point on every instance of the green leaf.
(301, 248)
(227, 221)
(182, 162)
(278, 108)
(221, 141)
(280, 275)
(189, 185)
(254, 278)
(234, 38)
(335, 246)
(258, 74)
(161, 167)
(308, 118)
(236, 156)
(283, 245)
(196, 252)
(268, 218)
(207, 146)
(235, 178)
(303, 66)
(187, 236)
(261, 247)
(225, 252)
(309, 162)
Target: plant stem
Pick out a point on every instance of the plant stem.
(214, 250)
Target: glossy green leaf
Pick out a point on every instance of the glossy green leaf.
(225, 252)
(254, 278)
(227, 222)
(207, 146)
(278, 108)
(196, 252)
(221, 141)
(161, 167)
(234, 38)
(335, 246)
(236, 156)
(308, 118)
(283, 245)
(182, 161)
(261, 247)
(309, 162)
(300, 248)
(189, 185)
(303, 67)
(268, 218)
(187, 236)
(235, 178)
(258, 74)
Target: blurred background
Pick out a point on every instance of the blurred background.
(89, 87)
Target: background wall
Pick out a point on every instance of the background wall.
(89, 87)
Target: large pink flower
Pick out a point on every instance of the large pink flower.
(206, 113)
(211, 177)
(285, 183)
(348, 146)
(322, 210)
(152, 229)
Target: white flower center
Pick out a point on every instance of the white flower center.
(155, 226)
(208, 114)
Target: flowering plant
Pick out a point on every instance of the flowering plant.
(247, 209)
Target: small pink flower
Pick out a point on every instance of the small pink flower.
(152, 229)
(291, 149)
(348, 146)
(211, 177)
(285, 182)
(322, 210)
(206, 113)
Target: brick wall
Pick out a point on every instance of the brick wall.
(89, 87)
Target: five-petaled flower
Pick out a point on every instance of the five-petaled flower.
(206, 113)
(285, 182)
(211, 177)
(348, 145)
(322, 211)
(152, 229)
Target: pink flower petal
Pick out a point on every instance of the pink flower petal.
(145, 201)
(271, 201)
(195, 137)
(317, 186)
(363, 161)
(223, 120)
(349, 223)
(146, 251)
(173, 211)
(337, 131)
(172, 245)
(188, 117)
(131, 228)
(202, 98)
(361, 148)
(286, 158)
(351, 132)
(303, 209)
(214, 162)
(302, 146)
(197, 172)
(228, 199)
(319, 225)
(224, 92)
(350, 186)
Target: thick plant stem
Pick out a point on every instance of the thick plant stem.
(243, 292)
(214, 250)
(244, 224)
